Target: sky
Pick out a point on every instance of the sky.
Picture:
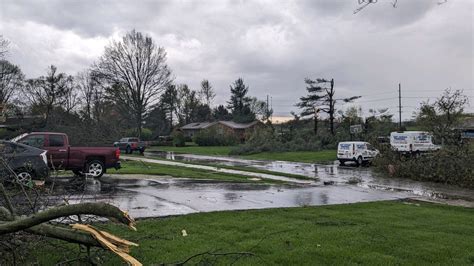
(272, 44)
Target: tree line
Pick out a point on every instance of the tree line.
(129, 89)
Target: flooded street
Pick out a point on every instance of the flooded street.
(334, 174)
(145, 196)
(154, 196)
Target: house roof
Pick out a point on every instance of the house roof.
(468, 123)
(231, 124)
(201, 125)
(235, 125)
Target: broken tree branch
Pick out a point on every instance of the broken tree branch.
(99, 209)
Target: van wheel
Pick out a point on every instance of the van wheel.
(360, 161)
(95, 168)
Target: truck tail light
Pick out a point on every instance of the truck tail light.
(117, 154)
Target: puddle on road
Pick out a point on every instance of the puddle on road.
(170, 196)
(148, 196)
(333, 174)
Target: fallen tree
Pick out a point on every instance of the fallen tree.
(45, 222)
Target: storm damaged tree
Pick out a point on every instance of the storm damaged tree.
(442, 117)
(136, 71)
(321, 98)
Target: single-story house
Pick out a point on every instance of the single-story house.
(467, 128)
(192, 129)
(241, 130)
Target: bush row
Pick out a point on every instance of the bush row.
(450, 165)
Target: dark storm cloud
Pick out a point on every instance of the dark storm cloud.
(273, 45)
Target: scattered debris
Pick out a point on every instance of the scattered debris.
(183, 232)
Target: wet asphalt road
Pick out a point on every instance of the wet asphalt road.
(151, 196)
(145, 196)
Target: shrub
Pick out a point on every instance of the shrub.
(212, 138)
(179, 140)
(450, 165)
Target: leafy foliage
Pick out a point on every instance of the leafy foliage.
(211, 137)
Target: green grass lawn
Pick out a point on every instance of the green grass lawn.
(210, 150)
(378, 233)
(135, 167)
(239, 168)
(297, 156)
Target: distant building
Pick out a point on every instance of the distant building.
(241, 130)
(467, 128)
(192, 129)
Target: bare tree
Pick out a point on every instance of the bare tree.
(321, 98)
(136, 70)
(11, 80)
(50, 91)
(3, 46)
(207, 93)
(88, 90)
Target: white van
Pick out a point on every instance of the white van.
(355, 151)
(412, 142)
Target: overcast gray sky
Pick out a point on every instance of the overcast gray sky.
(272, 44)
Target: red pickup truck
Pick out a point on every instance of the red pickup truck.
(91, 160)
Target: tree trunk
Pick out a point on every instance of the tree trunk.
(315, 124)
(331, 107)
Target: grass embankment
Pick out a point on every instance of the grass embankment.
(238, 168)
(135, 167)
(378, 233)
(293, 156)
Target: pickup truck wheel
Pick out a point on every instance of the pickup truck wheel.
(95, 168)
(360, 161)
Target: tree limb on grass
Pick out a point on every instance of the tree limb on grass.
(99, 209)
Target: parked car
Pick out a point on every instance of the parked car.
(81, 160)
(27, 162)
(356, 151)
(129, 145)
(414, 142)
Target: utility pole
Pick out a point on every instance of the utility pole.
(400, 106)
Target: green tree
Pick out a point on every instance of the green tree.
(442, 117)
(239, 103)
(221, 113)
